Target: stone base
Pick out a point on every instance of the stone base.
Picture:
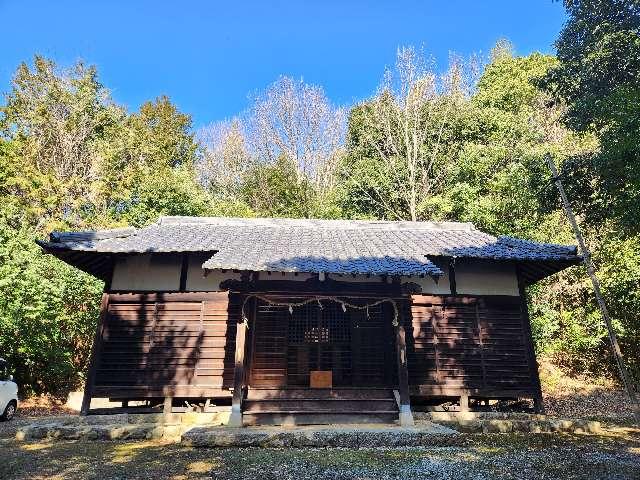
(209, 430)
(323, 436)
(120, 426)
(405, 416)
(235, 419)
(499, 422)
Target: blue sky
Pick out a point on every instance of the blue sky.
(208, 56)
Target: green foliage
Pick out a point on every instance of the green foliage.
(55, 122)
(71, 159)
(598, 76)
(375, 182)
(619, 260)
(165, 191)
(276, 190)
(599, 55)
(508, 83)
(48, 313)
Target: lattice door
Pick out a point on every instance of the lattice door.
(319, 339)
(356, 348)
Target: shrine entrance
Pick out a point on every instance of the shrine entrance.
(322, 345)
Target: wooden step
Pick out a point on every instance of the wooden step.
(320, 393)
(315, 404)
(319, 406)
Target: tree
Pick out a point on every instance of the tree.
(48, 312)
(296, 120)
(274, 190)
(58, 116)
(148, 167)
(225, 159)
(71, 159)
(405, 134)
(291, 138)
(56, 120)
(598, 77)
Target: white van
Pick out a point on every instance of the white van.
(8, 392)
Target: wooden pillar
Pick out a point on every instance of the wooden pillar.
(95, 355)
(235, 420)
(406, 417)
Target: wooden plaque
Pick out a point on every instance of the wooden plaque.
(321, 378)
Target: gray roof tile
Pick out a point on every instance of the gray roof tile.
(331, 246)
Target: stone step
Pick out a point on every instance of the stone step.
(334, 436)
(54, 431)
(329, 417)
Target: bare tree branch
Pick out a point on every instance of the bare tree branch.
(412, 110)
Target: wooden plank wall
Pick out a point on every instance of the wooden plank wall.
(172, 344)
(470, 345)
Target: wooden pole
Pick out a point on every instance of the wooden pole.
(586, 259)
(406, 417)
(235, 420)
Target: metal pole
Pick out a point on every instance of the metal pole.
(586, 259)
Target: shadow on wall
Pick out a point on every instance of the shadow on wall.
(155, 347)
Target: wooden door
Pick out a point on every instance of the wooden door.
(269, 355)
(355, 346)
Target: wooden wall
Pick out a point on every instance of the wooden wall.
(183, 344)
(172, 344)
(470, 345)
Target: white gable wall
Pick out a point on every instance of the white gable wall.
(482, 277)
(147, 272)
(198, 282)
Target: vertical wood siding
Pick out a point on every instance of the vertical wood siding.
(477, 345)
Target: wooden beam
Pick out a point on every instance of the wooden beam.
(235, 420)
(452, 277)
(95, 355)
(314, 286)
(164, 297)
(184, 270)
(406, 417)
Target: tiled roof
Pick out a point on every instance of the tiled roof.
(331, 246)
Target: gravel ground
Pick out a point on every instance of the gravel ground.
(612, 456)
(8, 429)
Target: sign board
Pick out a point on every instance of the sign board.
(321, 379)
